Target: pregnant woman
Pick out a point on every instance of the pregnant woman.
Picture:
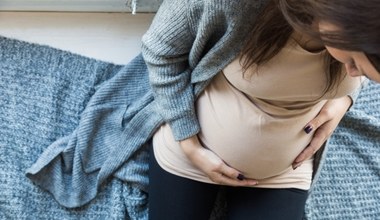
(236, 84)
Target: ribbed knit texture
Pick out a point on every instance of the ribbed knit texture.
(43, 93)
(191, 41)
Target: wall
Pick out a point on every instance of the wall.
(112, 37)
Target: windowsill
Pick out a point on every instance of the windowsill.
(111, 37)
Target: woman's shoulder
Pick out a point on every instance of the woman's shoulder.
(225, 5)
(223, 11)
(235, 6)
(196, 10)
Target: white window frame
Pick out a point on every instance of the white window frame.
(66, 5)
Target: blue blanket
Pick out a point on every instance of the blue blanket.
(348, 186)
(44, 91)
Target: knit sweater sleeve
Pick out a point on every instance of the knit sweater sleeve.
(166, 47)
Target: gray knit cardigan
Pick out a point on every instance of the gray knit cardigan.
(187, 44)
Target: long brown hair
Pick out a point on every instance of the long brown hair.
(359, 23)
(270, 34)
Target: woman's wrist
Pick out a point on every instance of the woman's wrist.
(190, 144)
(348, 101)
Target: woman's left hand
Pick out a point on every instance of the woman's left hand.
(325, 122)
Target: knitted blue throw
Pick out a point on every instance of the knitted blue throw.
(43, 92)
(348, 186)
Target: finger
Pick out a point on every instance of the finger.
(316, 143)
(226, 180)
(318, 121)
(232, 173)
(236, 175)
(227, 175)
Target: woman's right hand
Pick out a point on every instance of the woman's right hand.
(212, 165)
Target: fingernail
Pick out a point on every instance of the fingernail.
(240, 177)
(308, 129)
(295, 166)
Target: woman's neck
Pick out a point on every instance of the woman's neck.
(308, 43)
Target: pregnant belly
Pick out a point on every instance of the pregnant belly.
(256, 147)
(258, 140)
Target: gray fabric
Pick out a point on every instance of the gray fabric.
(74, 166)
(348, 186)
(43, 92)
(188, 43)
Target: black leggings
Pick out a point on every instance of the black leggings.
(172, 198)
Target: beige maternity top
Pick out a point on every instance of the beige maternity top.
(254, 121)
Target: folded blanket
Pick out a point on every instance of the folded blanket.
(44, 91)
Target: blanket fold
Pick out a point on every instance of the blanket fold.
(44, 95)
(74, 167)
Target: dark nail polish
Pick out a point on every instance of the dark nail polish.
(240, 177)
(295, 166)
(308, 129)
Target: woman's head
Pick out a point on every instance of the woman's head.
(350, 29)
(271, 32)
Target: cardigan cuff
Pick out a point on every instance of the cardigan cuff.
(184, 127)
